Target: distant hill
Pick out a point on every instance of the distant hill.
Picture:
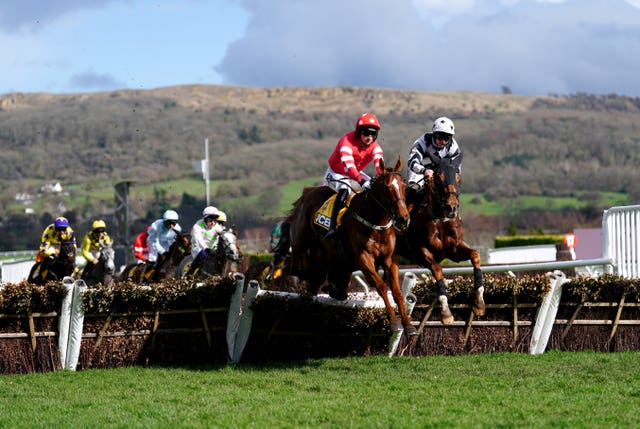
(263, 138)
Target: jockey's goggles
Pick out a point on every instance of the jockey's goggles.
(370, 132)
(61, 228)
(442, 136)
(99, 230)
(169, 223)
(211, 218)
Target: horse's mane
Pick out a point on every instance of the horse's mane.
(68, 248)
(432, 199)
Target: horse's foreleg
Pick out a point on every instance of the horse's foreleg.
(445, 313)
(391, 275)
(478, 303)
(467, 253)
(372, 277)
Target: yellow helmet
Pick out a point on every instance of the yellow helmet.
(99, 224)
(222, 217)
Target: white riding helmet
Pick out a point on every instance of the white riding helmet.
(170, 215)
(444, 125)
(210, 211)
(222, 217)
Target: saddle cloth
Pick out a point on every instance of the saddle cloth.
(322, 216)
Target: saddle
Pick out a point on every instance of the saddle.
(322, 216)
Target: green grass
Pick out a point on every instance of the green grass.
(503, 390)
(475, 203)
(195, 186)
(292, 190)
(26, 255)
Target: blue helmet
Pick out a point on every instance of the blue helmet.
(61, 222)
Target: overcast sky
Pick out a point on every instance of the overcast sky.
(533, 47)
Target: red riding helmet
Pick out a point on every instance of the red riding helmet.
(368, 120)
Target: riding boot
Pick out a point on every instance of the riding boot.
(149, 269)
(195, 264)
(42, 269)
(338, 204)
(193, 267)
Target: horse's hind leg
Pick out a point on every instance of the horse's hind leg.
(464, 253)
(478, 302)
(445, 313)
(339, 282)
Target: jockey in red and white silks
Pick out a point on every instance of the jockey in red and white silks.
(354, 151)
(351, 156)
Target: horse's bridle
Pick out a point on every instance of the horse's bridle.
(388, 212)
(440, 197)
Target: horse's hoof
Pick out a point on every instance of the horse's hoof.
(411, 330)
(478, 305)
(478, 308)
(446, 318)
(396, 326)
(339, 296)
(335, 293)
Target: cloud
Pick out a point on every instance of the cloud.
(34, 14)
(532, 47)
(328, 43)
(94, 81)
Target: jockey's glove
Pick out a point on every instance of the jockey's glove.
(365, 184)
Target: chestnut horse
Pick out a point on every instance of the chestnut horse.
(366, 241)
(435, 233)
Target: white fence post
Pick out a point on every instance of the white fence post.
(621, 239)
(408, 283)
(233, 318)
(547, 313)
(64, 320)
(76, 326)
(70, 323)
(244, 327)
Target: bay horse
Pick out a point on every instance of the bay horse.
(102, 272)
(435, 233)
(167, 265)
(62, 265)
(366, 241)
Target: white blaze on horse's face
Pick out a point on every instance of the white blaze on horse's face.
(396, 185)
(232, 247)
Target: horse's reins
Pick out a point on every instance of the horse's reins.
(387, 211)
(440, 199)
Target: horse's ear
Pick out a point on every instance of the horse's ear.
(381, 164)
(458, 179)
(398, 164)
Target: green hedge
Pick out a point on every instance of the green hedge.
(527, 240)
(25, 298)
(256, 258)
